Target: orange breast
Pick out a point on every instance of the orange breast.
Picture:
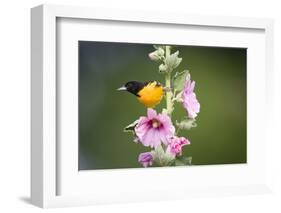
(151, 94)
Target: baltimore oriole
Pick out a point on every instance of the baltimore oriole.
(149, 93)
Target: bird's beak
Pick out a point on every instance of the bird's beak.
(123, 88)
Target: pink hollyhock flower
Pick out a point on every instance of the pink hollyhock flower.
(154, 129)
(145, 159)
(176, 144)
(190, 101)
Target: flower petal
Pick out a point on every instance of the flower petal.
(151, 135)
(190, 101)
(151, 113)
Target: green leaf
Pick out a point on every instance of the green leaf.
(180, 78)
(183, 161)
(173, 61)
(186, 124)
(158, 46)
(131, 127)
(160, 52)
(178, 97)
(161, 158)
(179, 163)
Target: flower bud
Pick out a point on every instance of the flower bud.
(153, 56)
(157, 54)
(162, 68)
(145, 159)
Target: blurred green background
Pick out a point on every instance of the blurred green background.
(220, 76)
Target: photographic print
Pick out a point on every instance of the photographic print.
(158, 105)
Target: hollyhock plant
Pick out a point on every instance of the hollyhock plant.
(145, 159)
(154, 129)
(189, 99)
(176, 144)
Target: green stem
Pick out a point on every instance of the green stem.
(169, 93)
(177, 131)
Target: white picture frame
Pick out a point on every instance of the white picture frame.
(46, 161)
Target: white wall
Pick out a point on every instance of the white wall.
(15, 98)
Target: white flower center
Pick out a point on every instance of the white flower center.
(155, 123)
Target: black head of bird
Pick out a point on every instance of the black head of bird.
(133, 87)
